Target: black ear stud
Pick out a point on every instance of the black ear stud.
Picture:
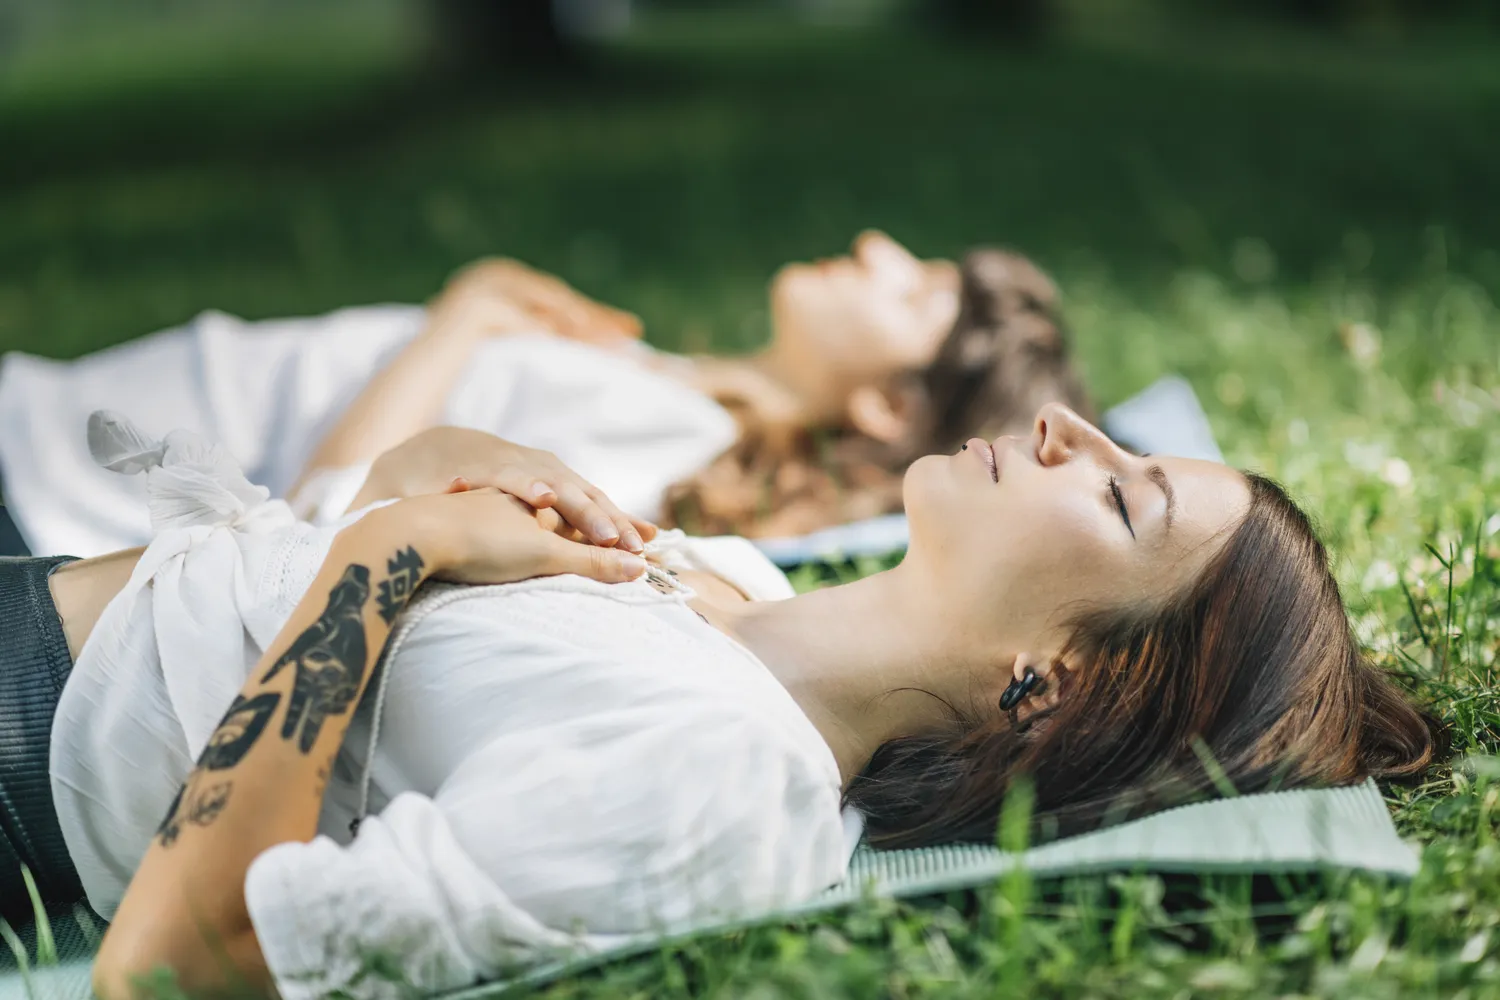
(1017, 691)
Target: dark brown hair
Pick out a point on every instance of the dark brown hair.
(1251, 676)
(1006, 355)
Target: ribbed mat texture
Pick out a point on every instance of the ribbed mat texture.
(1306, 830)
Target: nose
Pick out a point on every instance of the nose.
(878, 252)
(1059, 435)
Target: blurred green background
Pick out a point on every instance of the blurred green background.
(273, 158)
(1223, 189)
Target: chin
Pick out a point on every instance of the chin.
(790, 280)
(926, 483)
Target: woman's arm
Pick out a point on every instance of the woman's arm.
(260, 780)
(486, 299)
(408, 395)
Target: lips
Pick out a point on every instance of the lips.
(986, 452)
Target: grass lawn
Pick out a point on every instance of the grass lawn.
(1308, 230)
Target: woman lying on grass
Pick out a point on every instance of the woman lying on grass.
(876, 357)
(594, 748)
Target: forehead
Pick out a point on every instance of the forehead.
(1210, 498)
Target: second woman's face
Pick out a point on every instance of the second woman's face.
(1029, 530)
(864, 317)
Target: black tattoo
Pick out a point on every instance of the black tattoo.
(193, 804)
(169, 827)
(323, 771)
(242, 726)
(200, 803)
(329, 659)
(405, 573)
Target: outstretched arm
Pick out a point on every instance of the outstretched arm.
(486, 299)
(408, 395)
(260, 780)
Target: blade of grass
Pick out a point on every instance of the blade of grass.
(87, 927)
(1016, 887)
(1477, 581)
(1448, 621)
(1416, 616)
(46, 945)
(1216, 772)
(18, 950)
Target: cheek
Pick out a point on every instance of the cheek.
(1055, 552)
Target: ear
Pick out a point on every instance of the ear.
(876, 413)
(1054, 675)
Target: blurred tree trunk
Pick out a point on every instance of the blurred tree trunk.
(1020, 22)
(490, 36)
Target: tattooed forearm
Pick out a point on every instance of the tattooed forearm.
(329, 660)
(405, 569)
(237, 733)
(197, 802)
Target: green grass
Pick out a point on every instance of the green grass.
(1237, 209)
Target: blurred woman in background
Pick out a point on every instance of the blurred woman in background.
(874, 358)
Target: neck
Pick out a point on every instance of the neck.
(867, 661)
(781, 383)
(820, 393)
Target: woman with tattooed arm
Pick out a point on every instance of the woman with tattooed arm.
(261, 778)
(555, 763)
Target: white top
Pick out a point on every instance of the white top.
(559, 761)
(269, 391)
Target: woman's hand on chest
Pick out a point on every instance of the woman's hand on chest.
(486, 536)
(453, 459)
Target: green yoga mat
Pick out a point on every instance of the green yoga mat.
(1307, 830)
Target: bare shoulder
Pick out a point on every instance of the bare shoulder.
(82, 589)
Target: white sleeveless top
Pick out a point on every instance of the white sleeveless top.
(560, 762)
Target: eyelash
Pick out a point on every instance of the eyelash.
(1114, 489)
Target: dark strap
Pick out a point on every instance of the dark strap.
(34, 666)
(11, 542)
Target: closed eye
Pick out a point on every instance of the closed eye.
(1119, 498)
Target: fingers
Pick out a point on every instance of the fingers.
(631, 537)
(542, 481)
(583, 513)
(604, 565)
(523, 485)
(629, 532)
(550, 520)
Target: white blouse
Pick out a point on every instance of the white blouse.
(559, 762)
(269, 391)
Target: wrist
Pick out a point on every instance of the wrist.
(405, 523)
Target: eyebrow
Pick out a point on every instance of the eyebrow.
(1159, 477)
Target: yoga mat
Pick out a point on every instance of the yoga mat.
(1306, 830)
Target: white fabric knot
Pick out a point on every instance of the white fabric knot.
(189, 482)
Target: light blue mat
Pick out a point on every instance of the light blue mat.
(1297, 831)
